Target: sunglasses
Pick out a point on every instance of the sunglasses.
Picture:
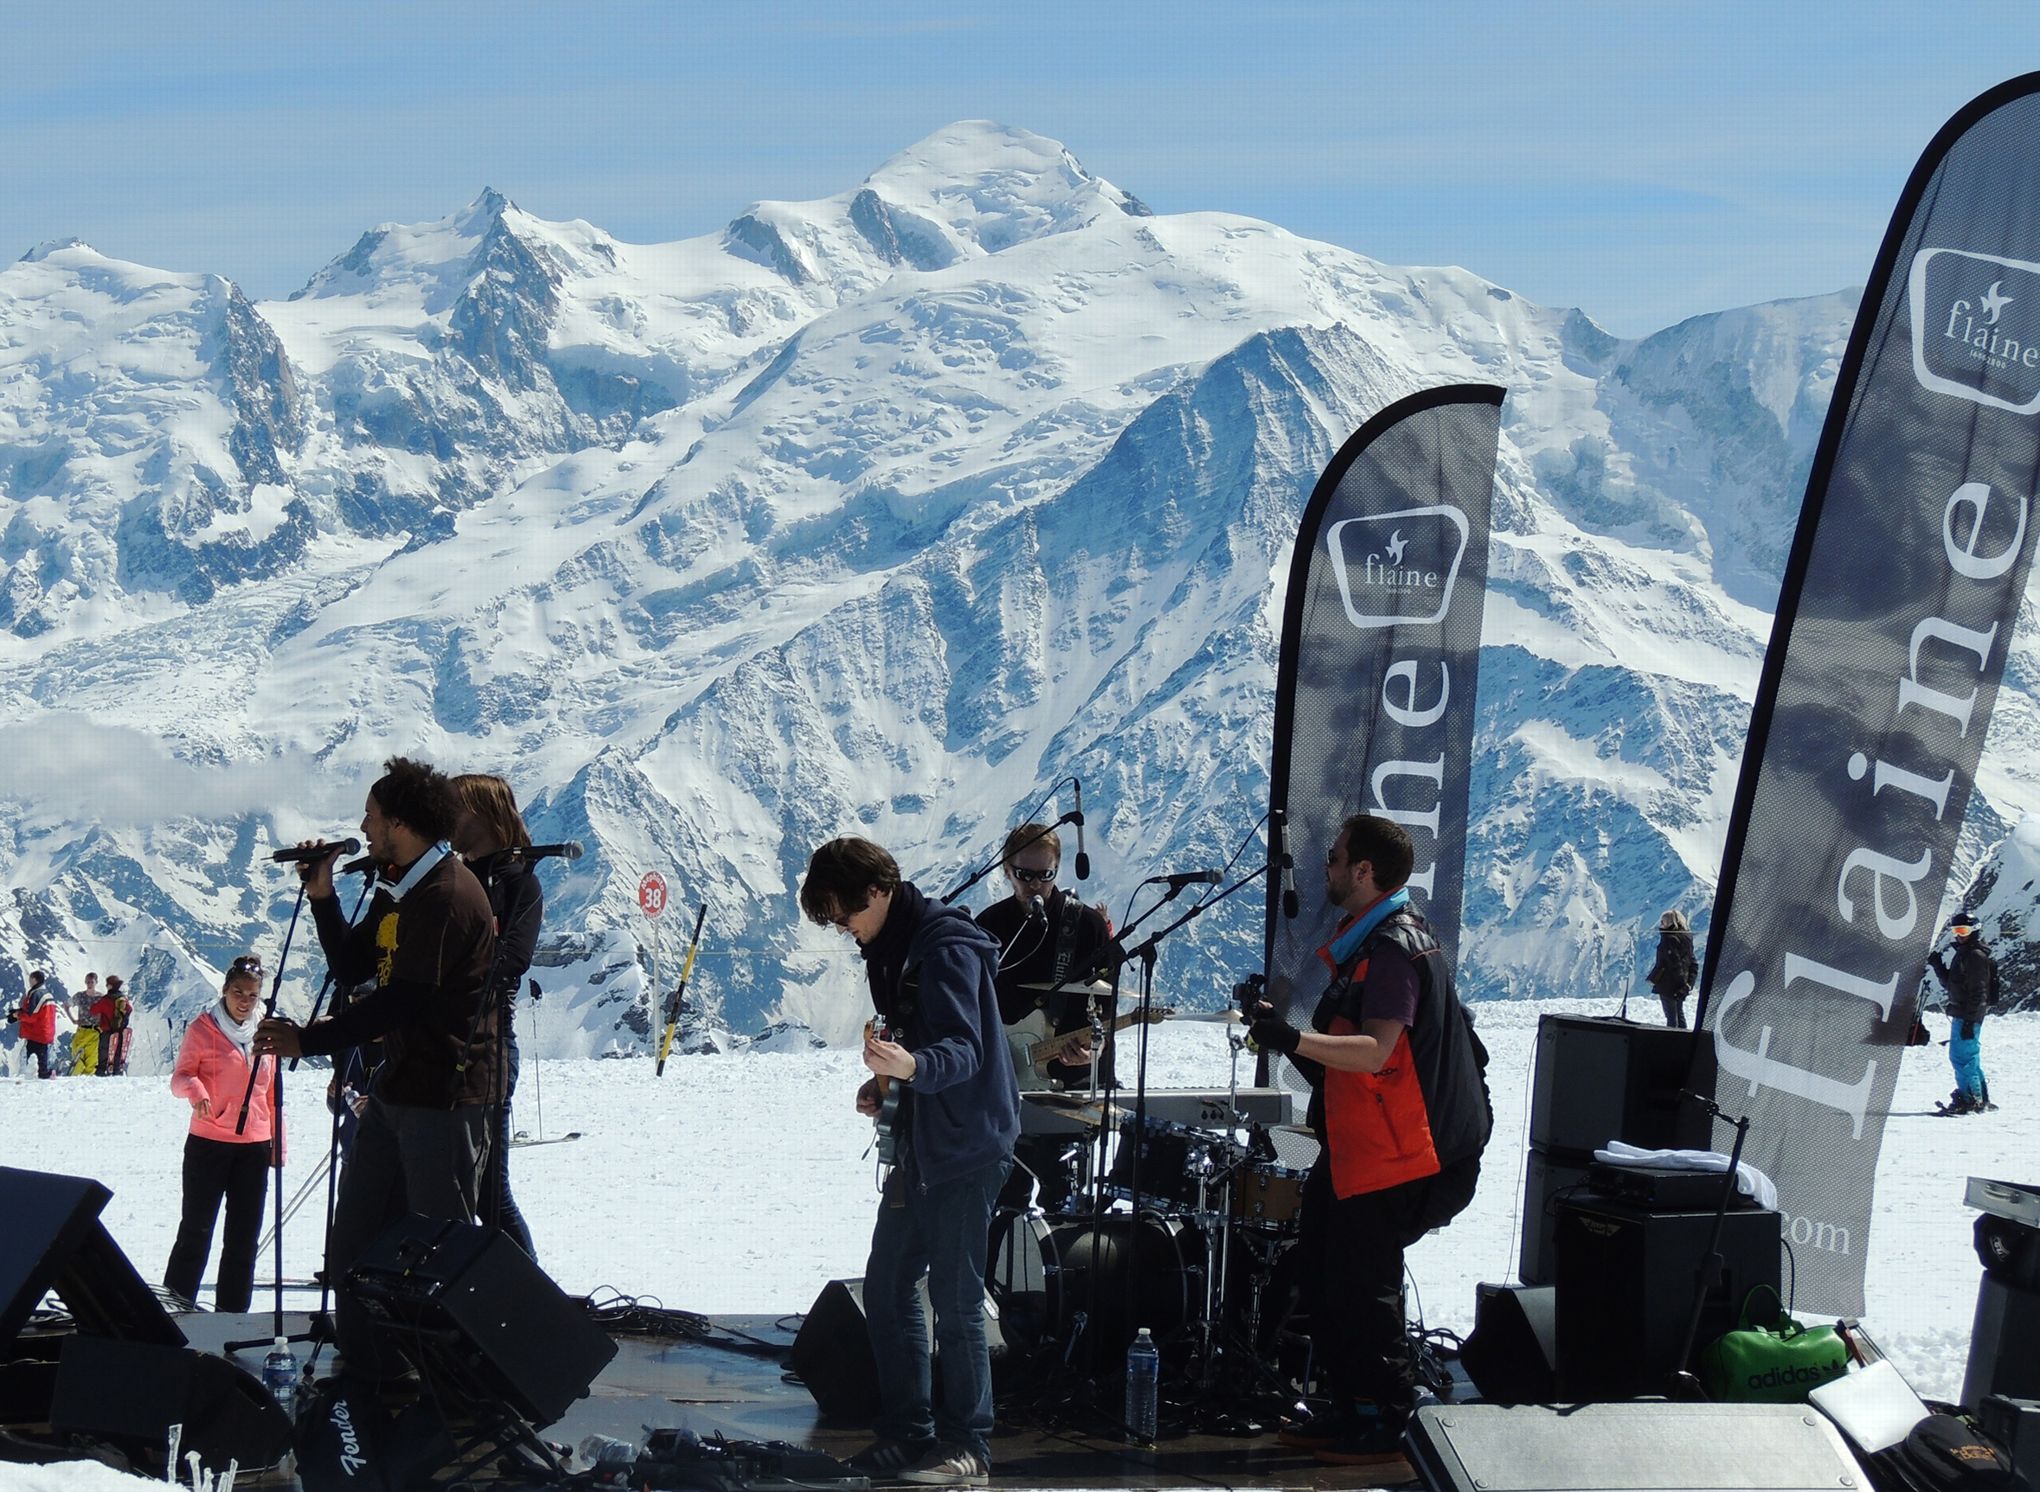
(247, 963)
(1033, 877)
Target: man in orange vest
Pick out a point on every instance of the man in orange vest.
(1399, 1103)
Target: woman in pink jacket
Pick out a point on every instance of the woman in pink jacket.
(212, 1074)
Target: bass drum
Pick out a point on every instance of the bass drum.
(1116, 1272)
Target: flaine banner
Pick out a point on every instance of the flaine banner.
(1380, 658)
(1893, 622)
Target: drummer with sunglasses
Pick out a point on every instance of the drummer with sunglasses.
(1046, 934)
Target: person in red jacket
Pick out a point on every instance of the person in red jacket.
(113, 1012)
(1399, 1100)
(212, 1075)
(38, 1016)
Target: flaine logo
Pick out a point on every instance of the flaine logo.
(1976, 327)
(1397, 569)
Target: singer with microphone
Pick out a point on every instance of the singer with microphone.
(1399, 1104)
(425, 943)
(490, 835)
(1045, 933)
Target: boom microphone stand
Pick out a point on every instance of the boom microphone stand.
(1709, 1272)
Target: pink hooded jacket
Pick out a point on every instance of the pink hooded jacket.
(209, 1065)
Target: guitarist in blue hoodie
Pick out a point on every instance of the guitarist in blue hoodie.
(942, 1050)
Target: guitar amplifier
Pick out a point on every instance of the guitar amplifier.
(517, 1330)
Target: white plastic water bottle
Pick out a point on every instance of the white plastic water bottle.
(607, 1459)
(280, 1376)
(1143, 1380)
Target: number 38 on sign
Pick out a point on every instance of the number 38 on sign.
(651, 893)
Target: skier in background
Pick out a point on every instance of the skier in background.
(1673, 973)
(85, 1039)
(38, 1016)
(1970, 977)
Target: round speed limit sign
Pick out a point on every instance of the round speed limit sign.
(651, 893)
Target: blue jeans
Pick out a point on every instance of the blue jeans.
(939, 1231)
(1965, 1055)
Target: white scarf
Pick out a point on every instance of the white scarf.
(418, 871)
(240, 1033)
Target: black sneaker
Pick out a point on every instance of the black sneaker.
(948, 1466)
(1373, 1442)
(884, 1460)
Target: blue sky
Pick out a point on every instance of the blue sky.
(1644, 162)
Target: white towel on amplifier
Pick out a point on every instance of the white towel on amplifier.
(1748, 1179)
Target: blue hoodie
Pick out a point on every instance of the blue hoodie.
(965, 1103)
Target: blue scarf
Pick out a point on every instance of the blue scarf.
(1347, 943)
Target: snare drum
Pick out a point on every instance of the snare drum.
(1268, 1197)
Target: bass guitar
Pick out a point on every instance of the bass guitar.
(886, 1122)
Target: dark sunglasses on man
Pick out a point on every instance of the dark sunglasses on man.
(1028, 877)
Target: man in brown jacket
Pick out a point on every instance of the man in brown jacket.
(426, 944)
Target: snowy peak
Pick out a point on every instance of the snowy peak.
(990, 186)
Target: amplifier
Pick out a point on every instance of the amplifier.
(1599, 1080)
(1662, 1188)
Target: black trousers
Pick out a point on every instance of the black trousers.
(41, 1052)
(213, 1170)
(1350, 1262)
(495, 1205)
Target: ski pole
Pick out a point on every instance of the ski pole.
(673, 1010)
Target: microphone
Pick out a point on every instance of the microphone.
(1288, 863)
(356, 867)
(1036, 911)
(1083, 860)
(311, 852)
(567, 849)
(1184, 878)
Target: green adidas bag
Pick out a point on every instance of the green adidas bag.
(1773, 1364)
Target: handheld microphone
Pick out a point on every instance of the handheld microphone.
(306, 854)
(1184, 878)
(1288, 863)
(566, 849)
(1083, 860)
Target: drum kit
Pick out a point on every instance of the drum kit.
(1165, 1209)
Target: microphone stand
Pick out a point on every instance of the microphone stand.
(1114, 956)
(1709, 1273)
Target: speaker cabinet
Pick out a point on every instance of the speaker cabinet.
(1511, 1355)
(518, 1333)
(1547, 1177)
(1629, 1448)
(131, 1393)
(2002, 1360)
(1599, 1080)
(832, 1354)
(53, 1240)
(1625, 1283)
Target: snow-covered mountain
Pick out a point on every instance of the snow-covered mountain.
(880, 513)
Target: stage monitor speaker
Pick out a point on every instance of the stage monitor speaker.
(2002, 1359)
(1599, 1080)
(832, 1350)
(1547, 1177)
(53, 1240)
(832, 1354)
(1512, 1352)
(131, 1393)
(530, 1343)
(1625, 1285)
(1650, 1447)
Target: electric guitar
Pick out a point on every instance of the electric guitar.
(1033, 1044)
(885, 1123)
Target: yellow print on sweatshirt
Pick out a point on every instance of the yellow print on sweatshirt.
(386, 947)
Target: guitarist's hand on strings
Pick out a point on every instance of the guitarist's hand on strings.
(888, 1059)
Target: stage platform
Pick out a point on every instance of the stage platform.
(732, 1380)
